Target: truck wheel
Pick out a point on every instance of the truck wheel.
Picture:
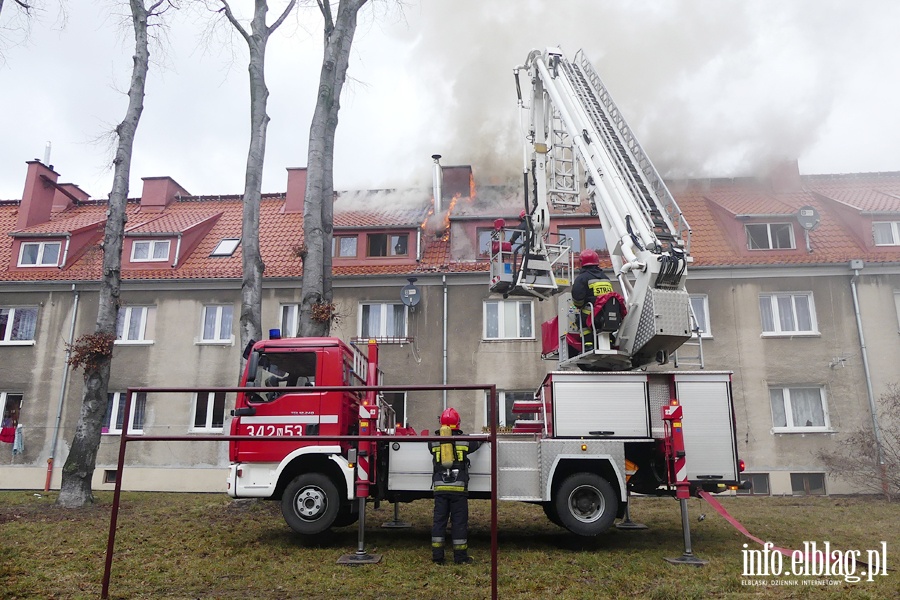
(310, 503)
(550, 511)
(586, 504)
(346, 516)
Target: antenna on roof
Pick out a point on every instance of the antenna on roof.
(47, 154)
(808, 217)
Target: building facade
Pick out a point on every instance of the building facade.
(795, 283)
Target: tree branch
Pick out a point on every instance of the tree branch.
(325, 7)
(282, 17)
(234, 22)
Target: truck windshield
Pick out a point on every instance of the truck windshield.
(284, 369)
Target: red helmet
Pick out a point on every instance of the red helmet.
(522, 214)
(589, 257)
(450, 417)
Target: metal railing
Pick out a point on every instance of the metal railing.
(126, 438)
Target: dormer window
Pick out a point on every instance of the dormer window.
(887, 233)
(388, 244)
(343, 246)
(770, 236)
(39, 254)
(150, 251)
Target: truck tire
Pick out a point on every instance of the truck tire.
(586, 504)
(346, 516)
(310, 503)
(550, 511)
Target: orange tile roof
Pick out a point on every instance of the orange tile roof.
(712, 208)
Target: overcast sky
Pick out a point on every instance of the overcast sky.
(711, 87)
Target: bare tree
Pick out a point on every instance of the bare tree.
(94, 351)
(317, 308)
(860, 460)
(251, 284)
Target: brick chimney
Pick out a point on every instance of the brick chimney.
(457, 181)
(296, 190)
(784, 177)
(66, 195)
(159, 192)
(37, 197)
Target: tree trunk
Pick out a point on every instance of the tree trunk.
(79, 468)
(252, 263)
(318, 209)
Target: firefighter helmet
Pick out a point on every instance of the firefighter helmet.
(522, 214)
(450, 417)
(589, 257)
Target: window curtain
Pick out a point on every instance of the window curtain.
(806, 407)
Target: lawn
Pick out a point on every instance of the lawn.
(209, 546)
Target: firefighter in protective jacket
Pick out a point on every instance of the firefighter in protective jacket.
(450, 482)
(591, 290)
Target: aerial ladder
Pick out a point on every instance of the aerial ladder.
(574, 130)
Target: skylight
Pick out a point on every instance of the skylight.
(226, 247)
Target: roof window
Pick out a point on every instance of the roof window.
(226, 247)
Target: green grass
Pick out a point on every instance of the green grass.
(209, 546)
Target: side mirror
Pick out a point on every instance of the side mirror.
(252, 368)
(246, 411)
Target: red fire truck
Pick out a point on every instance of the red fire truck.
(584, 442)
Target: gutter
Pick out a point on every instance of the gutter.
(62, 390)
(857, 265)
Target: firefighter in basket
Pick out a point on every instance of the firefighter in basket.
(450, 482)
(599, 307)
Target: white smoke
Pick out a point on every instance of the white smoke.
(711, 88)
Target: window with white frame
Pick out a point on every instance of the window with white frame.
(135, 324)
(209, 412)
(290, 320)
(789, 313)
(700, 306)
(149, 250)
(39, 254)
(10, 409)
(886, 233)
(506, 399)
(382, 320)
(115, 412)
(799, 409)
(17, 325)
(508, 320)
(217, 321)
(770, 236)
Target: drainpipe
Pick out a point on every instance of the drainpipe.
(62, 391)
(444, 378)
(856, 265)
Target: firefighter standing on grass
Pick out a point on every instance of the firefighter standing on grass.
(450, 482)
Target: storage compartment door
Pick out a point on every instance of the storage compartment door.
(605, 407)
(708, 427)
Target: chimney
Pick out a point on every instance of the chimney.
(37, 197)
(458, 181)
(296, 190)
(159, 192)
(784, 177)
(438, 183)
(66, 195)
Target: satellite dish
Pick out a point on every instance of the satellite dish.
(410, 295)
(808, 218)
